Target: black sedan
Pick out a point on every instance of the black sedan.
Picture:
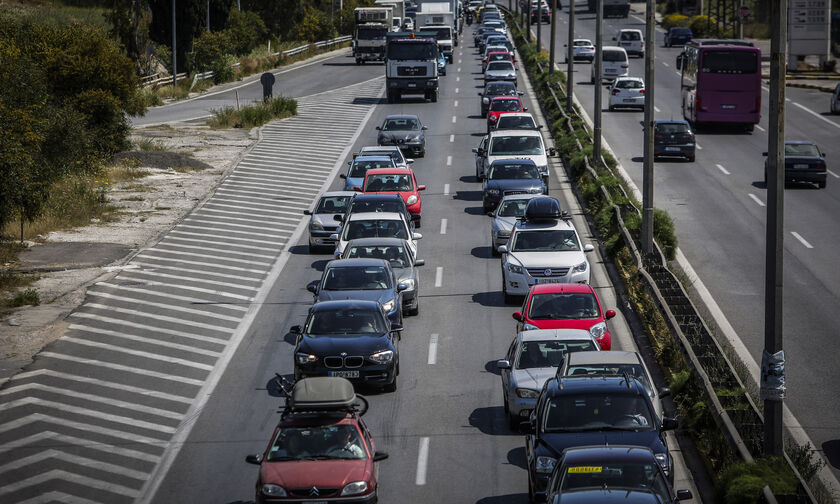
(405, 132)
(673, 138)
(380, 202)
(350, 339)
(804, 162)
(493, 89)
(511, 176)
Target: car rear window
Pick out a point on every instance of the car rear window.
(374, 229)
(500, 65)
(629, 84)
(670, 128)
(595, 412)
(513, 208)
(505, 106)
(514, 172)
(808, 150)
(359, 168)
(515, 122)
(631, 35)
(500, 89)
(614, 55)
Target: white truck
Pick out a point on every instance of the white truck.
(438, 17)
(397, 12)
(372, 26)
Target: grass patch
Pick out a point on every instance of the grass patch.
(253, 115)
(25, 297)
(163, 208)
(124, 170)
(148, 144)
(56, 14)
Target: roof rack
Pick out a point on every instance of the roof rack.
(320, 394)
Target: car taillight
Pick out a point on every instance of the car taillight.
(821, 166)
(642, 91)
(757, 105)
(592, 48)
(615, 91)
(643, 45)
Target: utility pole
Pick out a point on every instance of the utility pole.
(772, 360)
(208, 15)
(599, 42)
(539, 28)
(553, 35)
(647, 173)
(570, 59)
(174, 51)
(740, 20)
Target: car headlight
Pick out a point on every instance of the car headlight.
(383, 357)
(513, 268)
(492, 191)
(354, 488)
(485, 100)
(503, 233)
(305, 358)
(598, 330)
(526, 393)
(543, 169)
(580, 267)
(409, 282)
(388, 306)
(662, 458)
(529, 327)
(545, 464)
(411, 200)
(315, 225)
(273, 490)
(536, 190)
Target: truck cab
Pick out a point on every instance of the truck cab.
(411, 66)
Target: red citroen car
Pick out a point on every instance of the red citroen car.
(396, 181)
(321, 451)
(497, 56)
(565, 306)
(501, 105)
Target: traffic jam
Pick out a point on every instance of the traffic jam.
(591, 416)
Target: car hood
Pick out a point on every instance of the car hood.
(549, 259)
(561, 441)
(316, 473)
(533, 378)
(513, 184)
(326, 219)
(353, 344)
(381, 295)
(499, 73)
(538, 159)
(584, 324)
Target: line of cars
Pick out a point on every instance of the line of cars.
(593, 419)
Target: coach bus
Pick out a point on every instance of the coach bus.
(721, 82)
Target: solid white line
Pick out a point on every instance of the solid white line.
(443, 226)
(451, 138)
(759, 128)
(656, 109)
(439, 276)
(186, 299)
(448, 160)
(147, 339)
(755, 198)
(803, 241)
(146, 327)
(724, 170)
(455, 103)
(101, 383)
(157, 316)
(180, 269)
(433, 344)
(422, 461)
(819, 116)
(446, 188)
(833, 174)
(454, 118)
(137, 353)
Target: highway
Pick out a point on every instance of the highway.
(718, 205)
(189, 335)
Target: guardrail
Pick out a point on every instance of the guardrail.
(156, 79)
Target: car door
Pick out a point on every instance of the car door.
(505, 373)
(480, 155)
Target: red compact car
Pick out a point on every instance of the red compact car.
(565, 306)
(502, 105)
(497, 56)
(396, 181)
(321, 451)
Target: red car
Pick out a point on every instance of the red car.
(396, 181)
(321, 451)
(497, 56)
(565, 306)
(502, 105)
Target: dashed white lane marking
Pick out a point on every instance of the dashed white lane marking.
(438, 276)
(422, 461)
(755, 198)
(451, 138)
(448, 160)
(665, 64)
(656, 109)
(460, 61)
(678, 73)
(698, 146)
(765, 88)
(833, 174)
(803, 241)
(759, 128)
(454, 118)
(443, 223)
(724, 170)
(433, 344)
(819, 116)
(455, 104)
(446, 188)
(457, 79)
(457, 90)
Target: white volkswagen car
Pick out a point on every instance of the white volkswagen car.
(627, 92)
(614, 64)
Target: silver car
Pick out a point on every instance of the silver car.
(403, 264)
(835, 100)
(386, 150)
(615, 363)
(533, 358)
(322, 222)
(500, 70)
(509, 210)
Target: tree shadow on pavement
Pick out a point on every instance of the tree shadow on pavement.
(490, 420)
(504, 499)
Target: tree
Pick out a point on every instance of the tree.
(245, 30)
(130, 20)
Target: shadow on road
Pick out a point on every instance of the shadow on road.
(517, 457)
(470, 179)
(299, 250)
(320, 264)
(468, 195)
(494, 299)
(482, 252)
(504, 499)
(490, 367)
(490, 420)
(369, 101)
(831, 449)
(474, 210)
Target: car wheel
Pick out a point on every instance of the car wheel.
(422, 153)
(821, 184)
(417, 223)
(414, 311)
(513, 423)
(749, 128)
(690, 158)
(391, 387)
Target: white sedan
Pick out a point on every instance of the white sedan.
(583, 49)
(627, 92)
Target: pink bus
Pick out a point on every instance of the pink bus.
(721, 82)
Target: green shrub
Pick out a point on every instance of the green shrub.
(210, 50)
(672, 20)
(663, 232)
(742, 482)
(245, 30)
(223, 69)
(253, 115)
(25, 297)
(702, 26)
(315, 26)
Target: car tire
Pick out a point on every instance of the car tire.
(821, 184)
(414, 311)
(749, 128)
(690, 158)
(422, 153)
(435, 96)
(358, 61)
(513, 423)
(391, 387)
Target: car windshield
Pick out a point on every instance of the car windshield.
(629, 475)
(634, 370)
(630, 35)
(500, 89)
(356, 278)
(411, 50)
(390, 182)
(563, 305)
(515, 122)
(629, 84)
(316, 443)
(516, 146)
(395, 254)
(543, 354)
(394, 154)
(614, 55)
(669, 128)
(508, 105)
(513, 172)
(500, 56)
(582, 43)
(375, 229)
(401, 124)
(355, 321)
(679, 30)
(384, 205)
(497, 41)
(359, 168)
(500, 66)
(596, 412)
(513, 208)
(730, 62)
(371, 33)
(332, 204)
(560, 240)
(805, 150)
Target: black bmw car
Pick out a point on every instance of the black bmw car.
(673, 138)
(351, 339)
(511, 176)
(803, 163)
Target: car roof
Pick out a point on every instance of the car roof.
(629, 78)
(498, 52)
(376, 242)
(372, 158)
(357, 262)
(495, 133)
(555, 334)
(505, 97)
(613, 48)
(512, 161)
(603, 453)
(519, 114)
(670, 121)
(611, 357)
(402, 116)
(509, 197)
(388, 171)
(375, 216)
(377, 196)
(337, 193)
(629, 30)
(544, 225)
(582, 40)
(388, 148)
(343, 304)
(561, 287)
(593, 383)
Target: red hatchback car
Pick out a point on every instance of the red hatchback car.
(502, 105)
(497, 56)
(321, 451)
(396, 181)
(565, 306)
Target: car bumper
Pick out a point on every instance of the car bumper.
(520, 407)
(627, 102)
(518, 284)
(413, 85)
(508, 78)
(322, 238)
(368, 374)
(805, 175)
(673, 150)
(371, 498)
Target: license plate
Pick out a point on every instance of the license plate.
(672, 149)
(411, 84)
(800, 166)
(727, 107)
(629, 100)
(547, 280)
(344, 374)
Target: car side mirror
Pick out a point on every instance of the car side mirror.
(307, 212)
(503, 364)
(525, 109)
(254, 459)
(610, 314)
(419, 262)
(552, 151)
(424, 128)
(480, 94)
(379, 128)
(613, 38)
(764, 154)
(502, 249)
(334, 236)
(480, 176)
(338, 218)
(683, 495)
(342, 176)
(415, 218)
(669, 423)
(402, 286)
(679, 62)
(416, 236)
(312, 288)
(409, 161)
(517, 316)
(421, 188)
(295, 329)
(540, 126)
(396, 327)
(379, 456)
(588, 247)
(490, 214)
(664, 392)
(475, 150)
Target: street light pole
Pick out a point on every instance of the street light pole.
(772, 373)
(539, 28)
(599, 39)
(647, 172)
(570, 59)
(174, 51)
(553, 35)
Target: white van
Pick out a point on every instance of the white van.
(614, 64)
(632, 41)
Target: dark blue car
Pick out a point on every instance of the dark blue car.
(511, 176)
(678, 35)
(585, 411)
